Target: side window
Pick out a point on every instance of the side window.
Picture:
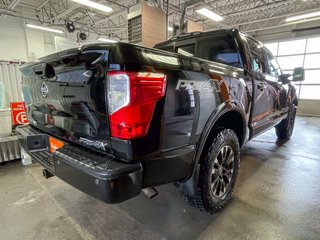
(219, 48)
(274, 67)
(258, 62)
(187, 50)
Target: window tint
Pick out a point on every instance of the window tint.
(168, 49)
(257, 58)
(188, 50)
(274, 67)
(219, 48)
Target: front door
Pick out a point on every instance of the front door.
(264, 91)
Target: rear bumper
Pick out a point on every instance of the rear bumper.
(98, 175)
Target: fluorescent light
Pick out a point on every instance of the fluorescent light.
(170, 29)
(106, 40)
(209, 14)
(95, 5)
(44, 28)
(303, 16)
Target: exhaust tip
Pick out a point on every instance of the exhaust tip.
(150, 192)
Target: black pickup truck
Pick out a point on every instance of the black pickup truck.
(115, 119)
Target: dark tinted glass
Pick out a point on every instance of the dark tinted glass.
(188, 50)
(168, 49)
(258, 62)
(219, 48)
(274, 67)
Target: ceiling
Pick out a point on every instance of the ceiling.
(247, 15)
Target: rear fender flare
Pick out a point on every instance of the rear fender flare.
(191, 184)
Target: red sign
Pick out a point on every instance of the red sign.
(18, 111)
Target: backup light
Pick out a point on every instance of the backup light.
(95, 5)
(209, 14)
(303, 16)
(44, 28)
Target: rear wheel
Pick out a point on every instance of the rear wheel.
(285, 128)
(218, 173)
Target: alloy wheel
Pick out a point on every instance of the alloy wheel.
(222, 171)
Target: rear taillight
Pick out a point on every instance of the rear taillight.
(132, 97)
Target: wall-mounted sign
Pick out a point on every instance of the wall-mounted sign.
(18, 111)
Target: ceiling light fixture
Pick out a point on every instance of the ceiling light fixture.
(95, 5)
(106, 40)
(303, 16)
(44, 28)
(209, 14)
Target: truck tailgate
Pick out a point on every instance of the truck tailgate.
(65, 97)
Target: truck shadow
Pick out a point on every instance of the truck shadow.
(169, 215)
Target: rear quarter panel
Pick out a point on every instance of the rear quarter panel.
(195, 89)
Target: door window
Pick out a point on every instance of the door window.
(219, 48)
(274, 68)
(187, 50)
(258, 62)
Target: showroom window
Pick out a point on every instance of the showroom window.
(300, 53)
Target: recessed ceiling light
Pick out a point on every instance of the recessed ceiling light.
(44, 28)
(303, 16)
(95, 5)
(209, 14)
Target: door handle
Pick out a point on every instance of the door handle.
(261, 86)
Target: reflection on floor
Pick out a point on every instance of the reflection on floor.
(277, 197)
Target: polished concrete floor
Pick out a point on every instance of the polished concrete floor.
(277, 197)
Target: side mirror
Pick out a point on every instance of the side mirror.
(298, 74)
(284, 78)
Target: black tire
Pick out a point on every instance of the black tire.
(284, 129)
(214, 173)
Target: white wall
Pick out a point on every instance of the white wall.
(18, 42)
(13, 44)
(309, 107)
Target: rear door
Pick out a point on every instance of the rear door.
(65, 96)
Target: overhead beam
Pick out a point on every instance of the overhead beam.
(66, 12)
(42, 5)
(14, 4)
(122, 12)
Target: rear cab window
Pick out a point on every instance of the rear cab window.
(218, 47)
(188, 50)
